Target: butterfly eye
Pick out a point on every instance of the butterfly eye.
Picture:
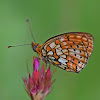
(35, 47)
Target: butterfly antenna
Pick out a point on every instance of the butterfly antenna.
(18, 45)
(27, 20)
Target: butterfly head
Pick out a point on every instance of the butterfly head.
(36, 47)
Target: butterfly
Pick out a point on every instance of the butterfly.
(69, 51)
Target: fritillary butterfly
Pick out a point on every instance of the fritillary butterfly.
(69, 51)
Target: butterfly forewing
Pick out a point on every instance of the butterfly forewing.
(69, 51)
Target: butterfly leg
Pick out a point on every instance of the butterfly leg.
(36, 57)
(45, 66)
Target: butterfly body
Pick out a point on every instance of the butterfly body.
(69, 51)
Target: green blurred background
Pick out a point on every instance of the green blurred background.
(47, 18)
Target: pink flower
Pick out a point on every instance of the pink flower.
(38, 85)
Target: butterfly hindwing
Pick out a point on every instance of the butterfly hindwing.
(69, 51)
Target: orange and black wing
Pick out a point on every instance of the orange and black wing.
(69, 51)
